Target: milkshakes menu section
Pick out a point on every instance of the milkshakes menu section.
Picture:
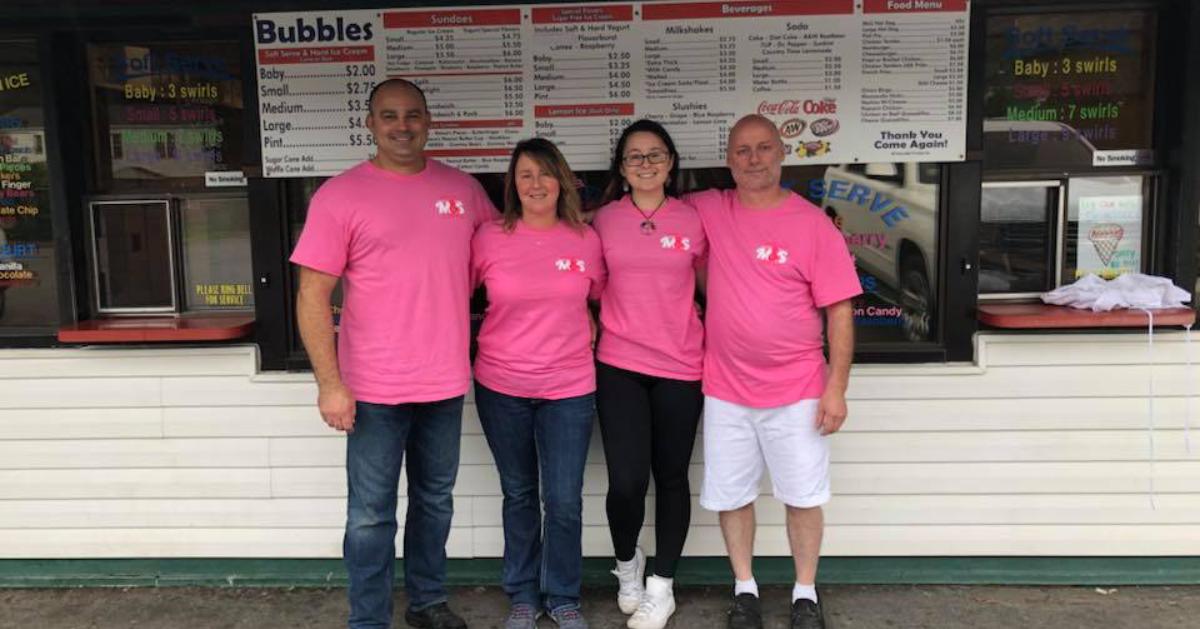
(845, 80)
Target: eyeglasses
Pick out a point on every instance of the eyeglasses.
(637, 159)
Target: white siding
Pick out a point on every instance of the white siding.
(1040, 448)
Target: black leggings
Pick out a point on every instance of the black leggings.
(648, 423)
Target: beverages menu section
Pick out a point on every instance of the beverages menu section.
(846, 81)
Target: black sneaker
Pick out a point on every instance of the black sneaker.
(807, 615)
(745, 613)
(436, 616)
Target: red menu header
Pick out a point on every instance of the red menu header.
(452, 19)
(914, 6)
(575, 15)
(693, 10)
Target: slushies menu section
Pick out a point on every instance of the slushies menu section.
(27, 293)
(880, 80)
(1072, 89)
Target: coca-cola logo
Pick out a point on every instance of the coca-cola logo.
(781, 108)
(791, 128)
(826, 106)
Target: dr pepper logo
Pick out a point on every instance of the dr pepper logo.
(823, 127)
(792, 107)
(791, 128)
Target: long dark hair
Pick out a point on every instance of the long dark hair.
(614, 190)
(548, 157)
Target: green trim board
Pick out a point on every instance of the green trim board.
(24, 573)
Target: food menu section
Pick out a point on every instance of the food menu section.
(846, 80)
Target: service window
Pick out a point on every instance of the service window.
(28, 286)
(134, 254)
(167, 122)
(1017, 235)
(1069, 158)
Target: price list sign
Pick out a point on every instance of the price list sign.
(586, 82)
(315, 71)
(471, 65)
(845, 80)
(711, 62)
(913, 97)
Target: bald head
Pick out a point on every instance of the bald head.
(753, 121)
(755, 155)
(396, 84)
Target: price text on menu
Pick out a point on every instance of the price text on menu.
(845, 80)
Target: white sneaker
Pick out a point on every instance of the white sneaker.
(629, 579)
(656, 607)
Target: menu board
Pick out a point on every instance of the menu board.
(27, 253)
(869, 81)
(1070, 89)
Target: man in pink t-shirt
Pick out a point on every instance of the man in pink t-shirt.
(776, 262)
(396, 230)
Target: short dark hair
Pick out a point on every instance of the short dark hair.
(546, 155)
(397, 82)
(613, 190)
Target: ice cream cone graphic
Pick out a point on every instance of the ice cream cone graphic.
(1105, 237)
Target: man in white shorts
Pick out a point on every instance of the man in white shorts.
(776, 262)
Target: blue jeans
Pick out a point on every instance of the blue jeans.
(547, 439)
(431, 434)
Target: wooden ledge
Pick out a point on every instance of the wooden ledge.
(1028, 316)
(158, 329)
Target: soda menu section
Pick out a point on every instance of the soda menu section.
(846, 81)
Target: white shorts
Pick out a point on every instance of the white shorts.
(739, 441)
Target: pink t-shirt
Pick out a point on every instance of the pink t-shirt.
(402, 246)
(769, 272)
(648, 313)
(536, 339)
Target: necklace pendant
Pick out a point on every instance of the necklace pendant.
(648, 227)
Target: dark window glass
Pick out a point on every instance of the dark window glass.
(133, 257)
(165, 113)
(1061, 87)
(216, 253)
(28, 294)
(1016, 238)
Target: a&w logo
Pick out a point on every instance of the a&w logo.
(567, 264)
(681, 243)
(450, 207)
(771, 253)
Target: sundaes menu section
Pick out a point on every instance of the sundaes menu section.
(471, 65)
(845, 80)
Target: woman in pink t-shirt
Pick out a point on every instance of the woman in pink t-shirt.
(535, 379)
(649, 362)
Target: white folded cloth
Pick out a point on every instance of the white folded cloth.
(1132, 290)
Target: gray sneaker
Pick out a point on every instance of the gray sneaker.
(569, 618)
(521, 616)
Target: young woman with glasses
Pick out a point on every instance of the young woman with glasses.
(648, 362)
